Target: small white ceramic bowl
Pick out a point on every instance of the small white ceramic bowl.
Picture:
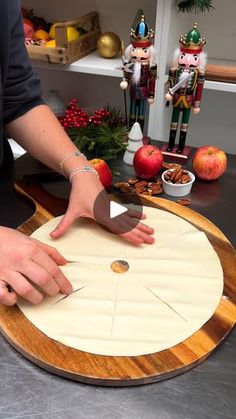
(177, 189)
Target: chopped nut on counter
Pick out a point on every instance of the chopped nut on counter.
(155, 188)
(141, 184)
(133, 180)
(184, 201)
(119, 185)
(142, 187)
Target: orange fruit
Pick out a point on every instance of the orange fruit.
(41, 34)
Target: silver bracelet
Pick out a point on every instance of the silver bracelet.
(82, 170)
(67, 157)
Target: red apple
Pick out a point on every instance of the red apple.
(28, 22)
(209, 162)
(147, 161)
(29, 31)
(103, 170)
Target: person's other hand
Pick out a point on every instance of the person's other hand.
(168, 97)
(85, 189)
(123, 84)
(196, 110)
(29, 269)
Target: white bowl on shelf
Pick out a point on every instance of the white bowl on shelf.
(177, 189)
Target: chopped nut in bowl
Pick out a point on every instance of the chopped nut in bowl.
(177, 182)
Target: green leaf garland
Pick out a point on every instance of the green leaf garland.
(195, 5)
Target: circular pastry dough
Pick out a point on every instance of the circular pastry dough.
(170, 290)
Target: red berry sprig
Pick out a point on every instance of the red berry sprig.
(99, 115)
(75, 117)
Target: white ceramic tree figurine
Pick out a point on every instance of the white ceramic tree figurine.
(135, 141)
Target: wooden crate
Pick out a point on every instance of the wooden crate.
(66, 52)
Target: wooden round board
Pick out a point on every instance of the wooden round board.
(122, 371)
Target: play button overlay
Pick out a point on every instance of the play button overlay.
(117, 217)
(116, 209)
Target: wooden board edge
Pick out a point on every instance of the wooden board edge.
(107, 382)
(171, 207)
(204, 350)
(112, 381)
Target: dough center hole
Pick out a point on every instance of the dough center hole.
(120, 266)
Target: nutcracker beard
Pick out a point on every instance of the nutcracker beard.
(136, 72)
(183, 76)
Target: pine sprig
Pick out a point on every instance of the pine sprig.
(194, 5)
(102, 134)
(102, 141)
(116, 116)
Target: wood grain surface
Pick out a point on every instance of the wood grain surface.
(122, 371)
(221, 73)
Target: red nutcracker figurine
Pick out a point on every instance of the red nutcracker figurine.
(186, 79)
(139, 71)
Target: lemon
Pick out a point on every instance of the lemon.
(51, 44)
(41, 34)
(72, 33)
(52, 31)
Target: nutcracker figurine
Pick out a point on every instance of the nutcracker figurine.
(186, 79)
(139, 70)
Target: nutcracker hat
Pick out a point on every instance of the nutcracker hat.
(192, 42)
(141, 34)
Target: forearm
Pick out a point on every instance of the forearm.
(40, 133)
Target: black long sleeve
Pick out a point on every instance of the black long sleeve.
(20, 88)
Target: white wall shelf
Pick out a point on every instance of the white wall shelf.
(220, 86)
(94, 64)
(91, 64)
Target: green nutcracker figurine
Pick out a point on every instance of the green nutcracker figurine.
(186, 79)
(139, 70)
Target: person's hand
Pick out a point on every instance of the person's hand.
(196, 110)
(150, 100)
(85, 189)
(29, 269)
(168, 97)
(123, 84)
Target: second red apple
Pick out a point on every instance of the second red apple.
(103, 170)
(147, 161)
(209, 162)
